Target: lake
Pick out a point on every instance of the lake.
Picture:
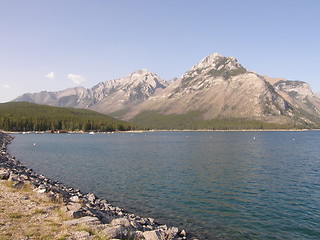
(216, 185)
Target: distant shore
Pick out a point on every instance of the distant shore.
(98, 215)
(162, 130)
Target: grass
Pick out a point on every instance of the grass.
(27, 214)
(24, 213)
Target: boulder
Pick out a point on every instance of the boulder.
(121, 221)
(115, 231)
(4, 175)
(153, 235)
(91, 198)
(172, 232)
(75, 210)
(82, 220)
(81, 235)
(182, 233)
(75, 199)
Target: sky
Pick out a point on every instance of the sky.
(53, 45)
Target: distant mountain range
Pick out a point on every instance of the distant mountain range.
(217, 88)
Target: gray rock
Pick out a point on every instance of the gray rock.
(91, 197)
(81, 235)
(75, 199)
(121, 221)
(75, 210)
(153, 235)
(136, 225)
(74, 206)
(83, 220)
(4, 175)
(40, 190)
(183, 233)
(13, 177)
(137, 235)
(173, 231)
(18, 185)
(104, 217)
(115, 231)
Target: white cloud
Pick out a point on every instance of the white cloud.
(5, 86)
(76, 79)
(51, 75)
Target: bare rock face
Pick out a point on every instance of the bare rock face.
(127, 92)
(300, 95)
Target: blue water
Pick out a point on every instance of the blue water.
(217, 185)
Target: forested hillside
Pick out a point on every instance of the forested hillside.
(193, 121)
(23, 116)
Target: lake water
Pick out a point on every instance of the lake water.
(216, 185)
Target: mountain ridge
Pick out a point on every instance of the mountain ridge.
(216, 87)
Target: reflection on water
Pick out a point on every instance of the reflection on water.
(223, 185)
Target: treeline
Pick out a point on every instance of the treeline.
(193, 121)
(23, 116)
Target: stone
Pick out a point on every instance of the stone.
(13, 177)
(115, 231)
(153, 235)
(82, 220)
(183, 233)
(104, 217)
(151, 221)
(74, 206)
(75, 210)
(18, 185)
(173, 231)
(80, 235)
(121, 221)
(40, 190)
(4, 175)
(137, 235)
(136, 225)
(91, 197)
(75, 199)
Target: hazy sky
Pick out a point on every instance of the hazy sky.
(53, 45)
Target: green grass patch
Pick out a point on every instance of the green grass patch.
(15, 215)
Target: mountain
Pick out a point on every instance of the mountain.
(218, 92)
(220, 88)
(24, 116)
(105, 97)
(299, 95)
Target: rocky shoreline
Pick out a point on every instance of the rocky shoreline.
(88, 209)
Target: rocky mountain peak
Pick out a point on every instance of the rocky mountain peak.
(217, 61)
(140, 76)
(209, 70)
(140, 72)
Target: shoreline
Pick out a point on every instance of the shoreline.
(84, 208)
(160, 130)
